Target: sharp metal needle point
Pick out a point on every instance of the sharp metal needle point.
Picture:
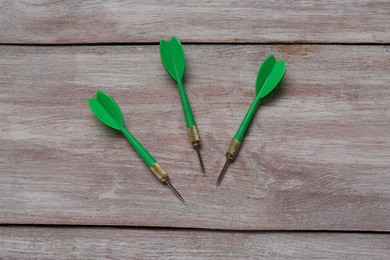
(224, 169)
(174, 190)
(200, 158)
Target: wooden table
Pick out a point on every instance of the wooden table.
(312, 179)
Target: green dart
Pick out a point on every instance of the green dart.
(268, 77)
(107, 110)
(172, 56)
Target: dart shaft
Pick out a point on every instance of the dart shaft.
(192, 129)
(247, 119)
(145, 155)
(190, 121)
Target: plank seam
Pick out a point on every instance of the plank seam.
(156, 228)
(194, 43)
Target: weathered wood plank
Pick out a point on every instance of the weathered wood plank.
(90, 21)
(316, 156)
(114, 243)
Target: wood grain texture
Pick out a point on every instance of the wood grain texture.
(91, 21)
(114, 243)
(316, 157)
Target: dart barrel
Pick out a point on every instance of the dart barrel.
(233, 148)
(159, 172)
(193, 133)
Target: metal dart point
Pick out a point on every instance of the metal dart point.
(224, 169)
(174, 190)
(231, 153)
(193, 134)
(162, 175)
(200, 158)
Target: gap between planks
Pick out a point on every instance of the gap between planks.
(103, 243)
(185, 229)
(195, 43)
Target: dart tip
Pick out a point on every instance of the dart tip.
(174, 190)
(200, 158)
(224, 169)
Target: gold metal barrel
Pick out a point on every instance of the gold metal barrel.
(193, 133)
(233, 148)
(159, 172)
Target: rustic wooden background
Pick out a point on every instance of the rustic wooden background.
(312, 179)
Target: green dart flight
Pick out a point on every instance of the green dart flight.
(107, 110)
(173, 59)
(268, 77)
